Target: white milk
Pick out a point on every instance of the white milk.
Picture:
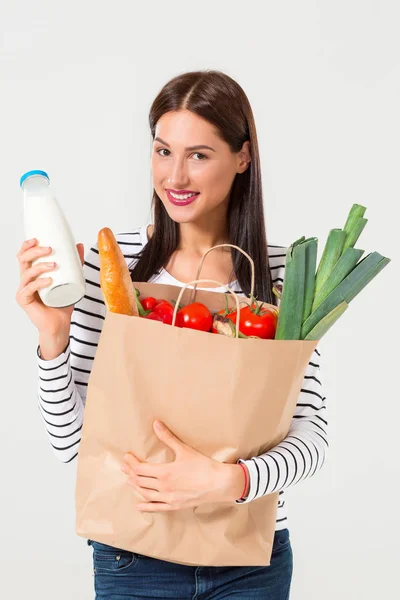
(45, 221)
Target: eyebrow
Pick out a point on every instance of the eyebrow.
(200, 147)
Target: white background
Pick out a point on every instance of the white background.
(323, 78)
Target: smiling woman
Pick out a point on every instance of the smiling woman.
(207, 191)
(207, 183)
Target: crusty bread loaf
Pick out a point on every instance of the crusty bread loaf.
(115, 279)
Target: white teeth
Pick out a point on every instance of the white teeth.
(182, 196)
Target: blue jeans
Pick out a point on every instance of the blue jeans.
(123, 575)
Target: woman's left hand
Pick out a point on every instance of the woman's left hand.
(191, 480)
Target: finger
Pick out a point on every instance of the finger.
(166, 436)
(81, 251)
(27, 244)
(149, 495)
(151, 470)
(33, 272)
(32, 251)
(131, 461)
(154, 507)
(25, 258)
(150, 483)
(25, 296)
(131, 464)
(127, 467)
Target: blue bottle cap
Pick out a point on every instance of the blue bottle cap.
(30, 173)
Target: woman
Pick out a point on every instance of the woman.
(207, 191)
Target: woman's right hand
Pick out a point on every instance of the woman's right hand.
(50, 322)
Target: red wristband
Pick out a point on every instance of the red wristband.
(245, 480)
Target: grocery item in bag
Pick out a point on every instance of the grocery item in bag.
(115, 280)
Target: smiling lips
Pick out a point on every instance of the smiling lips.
(181, 198)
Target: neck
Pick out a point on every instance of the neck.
(198, 237)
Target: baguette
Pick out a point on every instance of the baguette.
(115, 280)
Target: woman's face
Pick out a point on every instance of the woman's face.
(188, 156)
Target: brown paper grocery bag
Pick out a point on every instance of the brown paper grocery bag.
(227, 397)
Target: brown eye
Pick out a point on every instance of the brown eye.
(161, 150)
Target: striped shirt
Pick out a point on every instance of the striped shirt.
(63, 383)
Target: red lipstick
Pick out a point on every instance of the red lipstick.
(184, 202)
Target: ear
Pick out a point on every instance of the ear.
(244, 157)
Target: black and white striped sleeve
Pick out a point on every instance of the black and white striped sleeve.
(63, 381)
(303, 451)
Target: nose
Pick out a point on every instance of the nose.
(179, 177)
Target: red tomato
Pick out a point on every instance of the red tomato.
(262, 325)
(163, 309)
(153, 316)
(149, 303)
(195, 316)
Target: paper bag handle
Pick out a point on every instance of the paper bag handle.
(221, 246)
(208, 281)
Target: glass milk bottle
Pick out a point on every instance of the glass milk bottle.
(45, 221)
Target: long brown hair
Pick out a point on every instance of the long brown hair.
(220, 100)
